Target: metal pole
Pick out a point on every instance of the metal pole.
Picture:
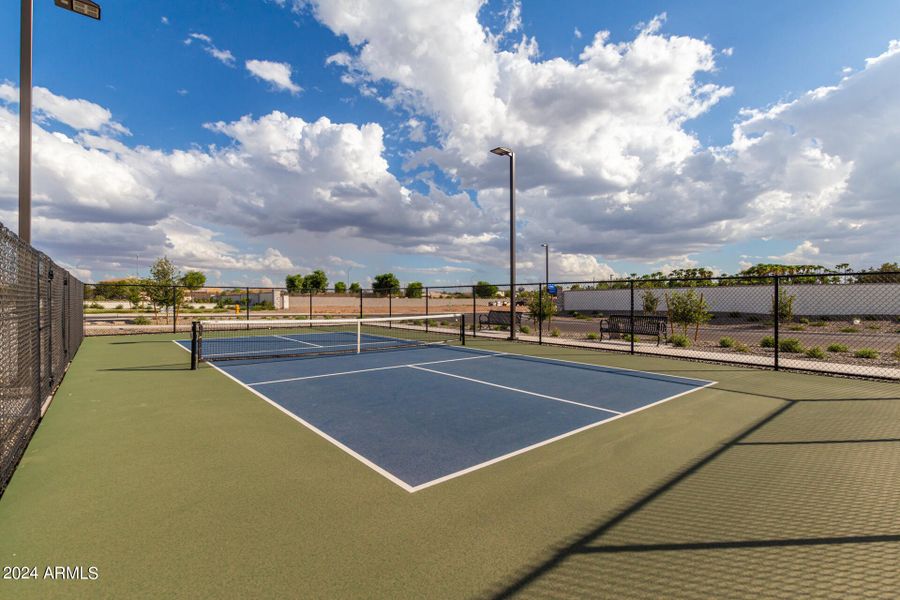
(310, 307)
(631, 317)
(776, 305)
(360, 304)
(25, 82)
(174, 309)
(547, 264)
(474, 313)
(426, 309)
(193, 345)
(248, 305)
(540, 314)
(512, 245)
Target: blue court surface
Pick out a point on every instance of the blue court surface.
(420, 416)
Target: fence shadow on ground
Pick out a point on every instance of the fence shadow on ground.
(803, 503)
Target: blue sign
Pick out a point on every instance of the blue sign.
(551, 289)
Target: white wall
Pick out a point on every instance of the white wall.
(849, 299)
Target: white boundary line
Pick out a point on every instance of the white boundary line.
(412, 489)
(281, 337)
(433, 362)
(512, 389)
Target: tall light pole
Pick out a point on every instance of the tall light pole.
(82, 7)
(501, 151)
(546, 248)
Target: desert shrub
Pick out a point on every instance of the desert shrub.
(726, 342)
(838, 348)
(815, 352)
(849, 329)
(95, 305)
(866, 353)
(578, 315)
(896, 353)
(797, 328)
(592, 336)
(630, 338)
(554, 332)
(785, 306)
(741, 347)
(525, 329)
(650, 301)
(873, 327)
(119, 307)
(141, 321)
(818, 324)
(680, 341)
(790, 345)
(804, 320)
(767, 342)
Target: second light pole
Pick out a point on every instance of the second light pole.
(546, 248)
(501, 151)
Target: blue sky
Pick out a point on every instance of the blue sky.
(372, 156)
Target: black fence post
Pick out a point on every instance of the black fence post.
(50, 325)
(631, 316)
(426, 308)
(247, 296)
(310, 305)
(174, 309)
(360, 303)
(776, 307)
(474, 313)
(541, 313)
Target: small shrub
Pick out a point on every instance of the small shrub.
(804, 320)
(741, 347)
(525, 329)
(873, 327)
(95, 305)
(896, 353)
(726, 342)
(818, 324)
(866, 353)
(849, 330)
(119, 307)
(581, 317)
(797, 328)
(554, 332)
(838, 348)
(630, 338)
(680, 341)
(592, 336)
(650, 301)
(767, 342)
(824, 318)
(141, 321)
(815, 353)
(790, 345)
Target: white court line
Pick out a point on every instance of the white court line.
(512, 389)
(281, 337)
(433, 362)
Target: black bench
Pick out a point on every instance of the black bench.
(498, 317)
(643, 325)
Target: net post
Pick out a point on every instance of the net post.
(247, 296)
(360, 303)
(194, 348)
(462, 328)
(358, 337)
(310, 307)
(631, 317)
(390, 307)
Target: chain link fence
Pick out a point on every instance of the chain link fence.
(40, 332)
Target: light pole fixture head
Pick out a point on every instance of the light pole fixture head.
(82, 7)
(501, 151)
(545, 245)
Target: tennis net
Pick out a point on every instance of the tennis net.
(276, 338)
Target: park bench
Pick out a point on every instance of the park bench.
(643, 325)
(498, 317)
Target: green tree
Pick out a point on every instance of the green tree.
(650, 301)
(293, 283)
(385, 284)
(315, 282)
(340, 287)
(687, 308)
(785, 306)
(483, 289)
(160, 288)
(541, 307)
(414, 289)
(354, 287)
(193, 280)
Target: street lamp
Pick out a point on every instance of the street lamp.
(501, 151)
(546, 248)
(82, 7)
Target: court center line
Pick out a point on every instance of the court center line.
(512, 389)
(281, 337)
(432, 362)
